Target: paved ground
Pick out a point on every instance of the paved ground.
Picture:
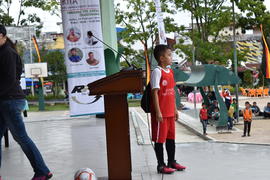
(259, 131)
(68, 144)
(261, 101)
(260, 134)
(141, 123)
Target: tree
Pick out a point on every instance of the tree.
(23, 18)
(247, 79)
(139, 22)
(210, 17)
(56, 68)
(253, 14)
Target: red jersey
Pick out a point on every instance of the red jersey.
(203, 114)
(166, 94)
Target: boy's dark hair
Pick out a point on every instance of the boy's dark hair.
(159, 51)
(246, 102)
(203, 104)
(254, 102)
(234, 99)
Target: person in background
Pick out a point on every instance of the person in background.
(12, 102)
(212, 107)
(230, 117)
(212, 97)
(228, 98)
(204, 118)
(247, 115)
(234, 104)
(215, 116)
(25, 109)
(266, 112)
(256, 110)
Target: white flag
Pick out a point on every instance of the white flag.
(161, 27)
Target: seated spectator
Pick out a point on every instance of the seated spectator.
(256, 110)
(215, 114)
(214, 117)
(212, 107)
(266, 112)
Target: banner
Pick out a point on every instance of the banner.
(266, 56)
(84, 54)
(160, 22)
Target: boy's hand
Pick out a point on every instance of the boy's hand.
(159, 117)
(176, 115)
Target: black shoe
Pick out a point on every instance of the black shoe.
(248, 134)
(243, 135)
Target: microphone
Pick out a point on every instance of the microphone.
(130, 66)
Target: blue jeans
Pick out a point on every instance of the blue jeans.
(11, 118)
(204, 124)
(230, 123)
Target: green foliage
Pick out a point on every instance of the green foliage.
(209, 17)
(47, 97)
(25, 17)
(134, 102)
(51, 6)
(247, 79)
(212, 16)
(139, 21)
(255, 13)
(56, 67)
(5, 19)
(48, 107)
(21, 49)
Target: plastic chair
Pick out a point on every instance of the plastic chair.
(266, 92)
(252, 93)
(259, 92)
(244, 92)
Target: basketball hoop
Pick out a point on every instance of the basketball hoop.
(36, 70)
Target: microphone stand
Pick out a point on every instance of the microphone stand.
(130, 66)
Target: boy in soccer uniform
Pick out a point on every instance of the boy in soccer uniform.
(163, 110)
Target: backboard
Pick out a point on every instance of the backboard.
(36, 70)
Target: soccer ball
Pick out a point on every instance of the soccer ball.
(85, 174)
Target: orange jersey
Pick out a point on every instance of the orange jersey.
(247, 114)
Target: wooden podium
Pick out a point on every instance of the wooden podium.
(115, 89)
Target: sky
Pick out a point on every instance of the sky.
(183, 18)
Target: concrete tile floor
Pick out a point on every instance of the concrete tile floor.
(68, 145)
